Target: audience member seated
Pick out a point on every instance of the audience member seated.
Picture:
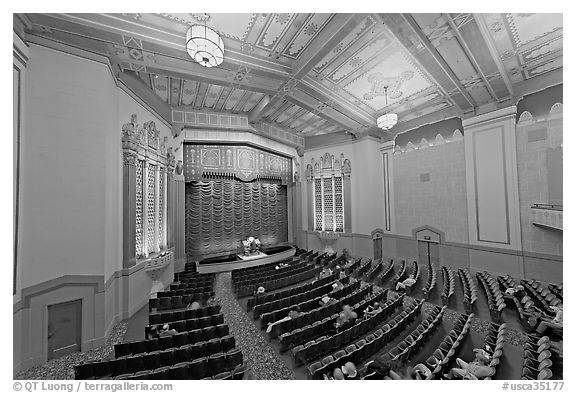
(327, 300)
(372, 310)
(406, 284)
(518, 292)
(345, 319)
(337, 374)
(259, 292)
(291, 315)
(421, 371)
(193, 305)
(325, 273)
(379, 366)
(349, 371)
(555, 324)
(337, 286)
(153, 333)
(166, 331)
(476, 369)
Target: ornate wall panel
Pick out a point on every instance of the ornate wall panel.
(139, 210)
(161, 199)
(243, 162)
(220, 213)
(150, 207)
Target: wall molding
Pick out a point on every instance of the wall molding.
(550, 257)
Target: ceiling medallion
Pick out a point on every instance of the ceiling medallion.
(204, 45)
(387, 120)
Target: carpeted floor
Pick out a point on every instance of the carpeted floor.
(260, 357)
(63, 368)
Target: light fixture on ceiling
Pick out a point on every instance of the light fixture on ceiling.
(387, 120)
(204, 45)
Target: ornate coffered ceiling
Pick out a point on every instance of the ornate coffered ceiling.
(314, 74)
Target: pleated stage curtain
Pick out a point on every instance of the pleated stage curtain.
(222, 213)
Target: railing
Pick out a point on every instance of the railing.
(547, 216)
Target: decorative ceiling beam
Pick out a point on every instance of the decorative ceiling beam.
(494, 52)
(438, 57)
(470, 56)
(338, 28)
(256, 113)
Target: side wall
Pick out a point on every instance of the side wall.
(70, 235)
(446, 184)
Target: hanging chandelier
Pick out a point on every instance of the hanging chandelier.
(204, 45)
(387, 120)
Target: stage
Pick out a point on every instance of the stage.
(235, 262)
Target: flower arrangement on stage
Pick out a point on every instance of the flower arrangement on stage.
(251, 245)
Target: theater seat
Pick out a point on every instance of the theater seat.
(216, 364)
(198, 368)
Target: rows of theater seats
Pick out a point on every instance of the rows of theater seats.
(385, 328)
(449, 284)
(431, 281)
(201, 346)
(540, 359)
(470, 290)
(387, 269)
(327, 341)
(191, 287)
(400, 273)
(253, 302)
(318, 312)
(305, 302)
(412, 343)
(312, 331)
(245, 282)
(496, 303)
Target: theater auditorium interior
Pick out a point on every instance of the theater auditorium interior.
(274, 196)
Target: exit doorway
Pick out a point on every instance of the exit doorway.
(64, 328)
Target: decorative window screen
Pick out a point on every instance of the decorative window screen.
(139, 226)
(318, 204)
(338, 205)
(150, 210)
(161, 208)
(328, 204)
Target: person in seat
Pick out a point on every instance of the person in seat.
(476, 369)
(406, 284)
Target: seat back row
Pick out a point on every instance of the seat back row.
(307, 304)
(370, 344)
(175, 340)
(186, 325)
(470, 290)
(240, 274)
(400, 274)
(494, 296)
(323, 345)
(539, 358)
(449, 284)
(375, 269)
(405, 349)
(318, 328)
(182, 292)
(387, 270)
(172, 316)
(195, 367)
(167, 303)
(267, 298)
(431, 281)
(318, 313)
(306, 273)
(363, 269)
(269, 275)
(294, 299)
(444, 355)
